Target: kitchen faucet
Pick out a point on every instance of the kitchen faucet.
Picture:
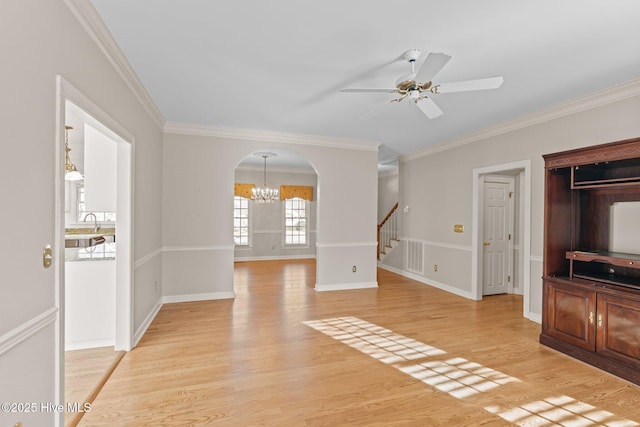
(96, 227)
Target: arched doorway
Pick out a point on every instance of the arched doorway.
(286, 228)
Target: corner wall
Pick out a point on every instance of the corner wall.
(42, 42)
(437, 186)
(198, 248)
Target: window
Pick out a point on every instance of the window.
(295, 221)
(82, 213)
(241, 221)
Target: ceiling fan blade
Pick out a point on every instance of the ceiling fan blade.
(431, 66)
(429, 108)
(468, 85)
(370, 90)
(375, 111)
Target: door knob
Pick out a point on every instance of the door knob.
(47, 256)
(486, 243)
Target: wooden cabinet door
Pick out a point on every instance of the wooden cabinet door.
(618, 332)
(571, 314)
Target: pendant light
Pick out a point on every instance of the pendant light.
(71, 172)
(264, 194)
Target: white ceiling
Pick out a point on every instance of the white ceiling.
(278, 65)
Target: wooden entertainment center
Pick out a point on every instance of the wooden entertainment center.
(591, 268)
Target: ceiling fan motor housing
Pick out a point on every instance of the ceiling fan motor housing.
(412, 55)
(407, 83)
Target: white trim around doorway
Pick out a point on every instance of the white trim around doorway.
(524, 167)
(66, 92)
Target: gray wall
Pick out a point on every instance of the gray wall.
(387, 193)
(437, 184)
(42, 40)
(199, 173)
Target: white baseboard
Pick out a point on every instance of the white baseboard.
(430, 282)
(81, 345)
(167, 299)
(273, 258)
(534, 317)
(142, 329)
(346, 286)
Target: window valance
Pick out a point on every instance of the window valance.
(243, 190)
(302, 191)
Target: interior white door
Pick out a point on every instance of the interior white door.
(497, 235)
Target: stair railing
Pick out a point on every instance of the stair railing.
(387, 231)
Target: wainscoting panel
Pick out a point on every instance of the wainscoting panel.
(27, 357)
(349, 265)
(197, 270)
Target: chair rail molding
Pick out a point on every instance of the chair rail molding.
(14, 337)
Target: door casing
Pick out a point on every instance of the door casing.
(523, 168)
(66, 92)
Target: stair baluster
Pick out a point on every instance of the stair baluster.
(387, 231)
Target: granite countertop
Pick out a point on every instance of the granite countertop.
(106, 231)
(101, 252)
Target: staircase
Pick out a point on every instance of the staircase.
(388, 233)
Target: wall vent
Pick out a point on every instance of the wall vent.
(415, 258)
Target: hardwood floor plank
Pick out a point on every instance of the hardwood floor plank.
(254, 361)
(86, 372)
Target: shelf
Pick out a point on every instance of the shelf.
(619, 259)
(605, 183)
(619, 173)
(611, 279)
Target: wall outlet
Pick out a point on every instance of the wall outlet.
(435, 267)
(354, 269)
(155, 285)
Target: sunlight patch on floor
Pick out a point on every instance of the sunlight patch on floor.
(559, 410)
(456, 376)
(460, 377)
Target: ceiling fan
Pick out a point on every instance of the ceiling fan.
(419, 88)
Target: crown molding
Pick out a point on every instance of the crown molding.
(598, 99)
(385, 174)
(293, 170)
(93, 24)
(269, 136)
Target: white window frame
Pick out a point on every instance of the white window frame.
(243, 200)
(306, 205)
(80, 215)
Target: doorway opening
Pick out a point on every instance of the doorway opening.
(91, 215)
(284, 229)
(517, 245)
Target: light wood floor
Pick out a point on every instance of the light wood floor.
(282, 354)
(85, 372)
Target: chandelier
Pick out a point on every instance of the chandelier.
(70, 171)
(264, 194)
